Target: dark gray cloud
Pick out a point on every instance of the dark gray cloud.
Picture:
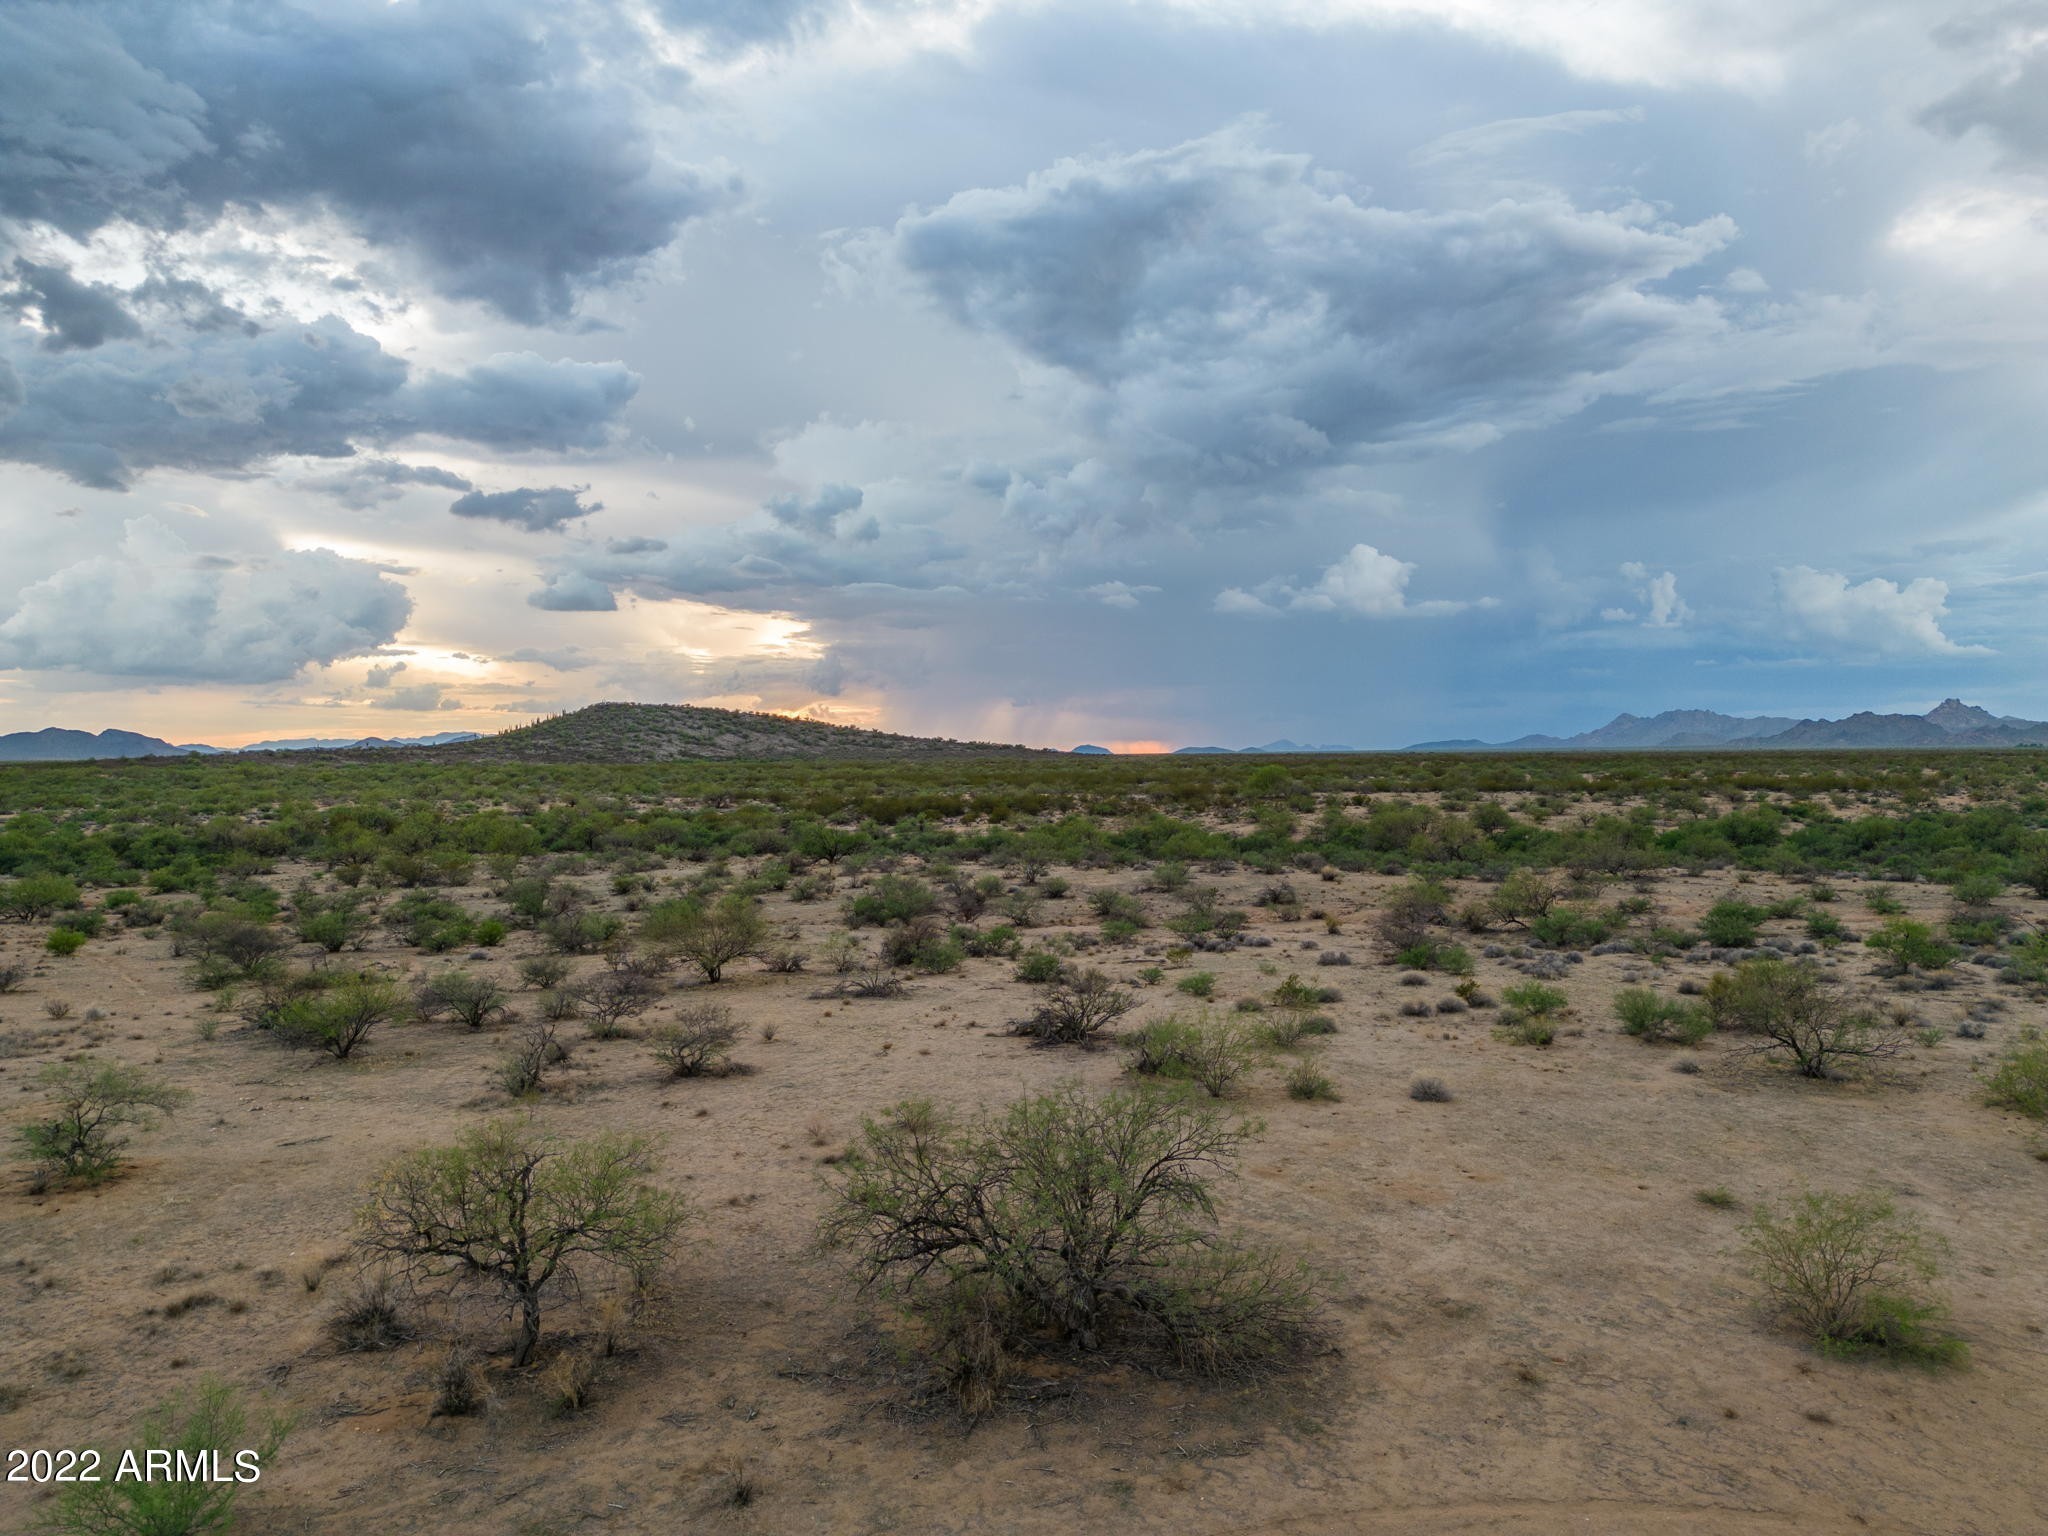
(518, 400)
(223, 402)
(501, 145)
(151, 607)
(369, 482)
(816, 515)
(2008, 97)
(537, 511)
(1231, 313)
(74, 315)
(634, 546)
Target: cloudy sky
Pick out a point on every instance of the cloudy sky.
(1161, 372)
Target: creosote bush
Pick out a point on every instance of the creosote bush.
(2020, 1080)
(339, 1018)
(1849, 1272)
(523, 1214)
(1212, 1053)
(471, 1000)
(1087, 1220)
(709, 936)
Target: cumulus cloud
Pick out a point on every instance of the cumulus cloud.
(1662, 607)
(154, 608)
(503, 148)
(1363, 583)
(380, 676)
(1225, 315)
(1872, 618)
(222, 401)
(537, 511)
(817, 515)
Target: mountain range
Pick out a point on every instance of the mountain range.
(1951, 723)
(56, 745)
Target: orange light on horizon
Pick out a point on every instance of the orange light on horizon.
(1138, 748)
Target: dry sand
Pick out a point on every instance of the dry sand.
(1539, 1328)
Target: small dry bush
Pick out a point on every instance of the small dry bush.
(699, 1043)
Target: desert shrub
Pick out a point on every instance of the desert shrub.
(543, 973)
(1909, 946)
(1089, 1219)
(2020, 1080)
(432, 923)
(1307, 1081)
(1077, 1006)
(1847, 1271)
(1169, 875)
(1791, 1008)
(1215, 1054)
(1038, 967)
(64, 941)
(1120, 908)
(1411, 912)
(1883, 903)
(1535, 998)
(613, 997)
(523, 1069)
(12, 975)
(709, 937)
(458, 1384)
(891, 899)
(471, 1000)
(522, 1214)
(922, 944)
(371, 1320)
(1197, 984)
(33, 898)
(1525, 894)
(1429, 1090)
(699, 1043)
(578, 932)
(339, 1018)
(1660, 1019)
(207, 1421)
(1571, 927)
(224, 944)
(1519, 1028)
(90, 1100)
(1826, 928)
(332, 922)
(1731, 924)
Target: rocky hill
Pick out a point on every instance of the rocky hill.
(659, 733)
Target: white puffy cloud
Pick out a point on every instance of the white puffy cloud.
(152, 607)
(1869, 619)
(1362, 583)
(1118, 594)
(1662, 607)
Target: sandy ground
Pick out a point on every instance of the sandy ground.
(1539, 1328)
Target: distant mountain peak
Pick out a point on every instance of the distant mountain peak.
(1951, 723)
(1955, 715)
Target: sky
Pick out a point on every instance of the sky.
(1139, 372)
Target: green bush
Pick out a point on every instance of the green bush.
(1213, 1053)
(1572, 928)
(91, 1100)
(1533, 997)
(34, 897)
(2020, 1080)
(891, 899)
(1660, 1019)
(206, 1422)
(1792, 1008)
(1910, 946)
(1197, 984)
(709, 937)
(1731, 924)
(523, 1214)
(1085, 1220)
(339, 1018)
(1847, 1271)
(1038, 967)
(64, 941)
